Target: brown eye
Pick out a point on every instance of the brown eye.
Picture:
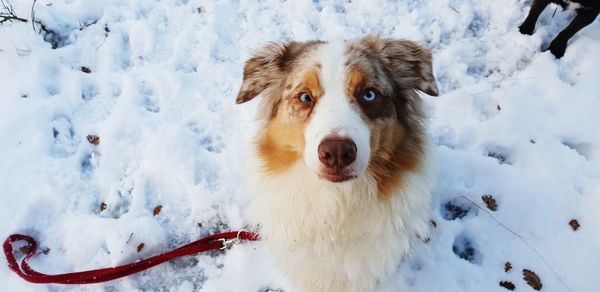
(369, 95)
(305, 98)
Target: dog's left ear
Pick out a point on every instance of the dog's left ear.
(408, 62)
(261, 71)
(267, 67)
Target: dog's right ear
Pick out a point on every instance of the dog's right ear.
(264, 69)
(408, 62)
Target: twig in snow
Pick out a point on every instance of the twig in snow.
(11, 17)
(523, 240)
(83, 25)
(8, 13)
(129, 239)
(452, 7)
(33, 15)
(106, 31)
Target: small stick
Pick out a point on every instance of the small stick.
(522, 239)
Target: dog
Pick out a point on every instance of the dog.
(587, 11)
(342, 165)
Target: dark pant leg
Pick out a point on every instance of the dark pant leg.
(583, 19)
(537, 7)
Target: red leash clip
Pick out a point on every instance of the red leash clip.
(219, 241)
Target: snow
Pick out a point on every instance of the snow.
(511, 122)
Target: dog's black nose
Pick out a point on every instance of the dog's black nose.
(337, 153)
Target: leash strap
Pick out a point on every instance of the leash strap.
(219, 241)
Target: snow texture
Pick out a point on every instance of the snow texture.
(511, 122)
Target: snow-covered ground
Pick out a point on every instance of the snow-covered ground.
(511, 122)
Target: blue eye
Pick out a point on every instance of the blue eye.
(305, 98)
(369, 95)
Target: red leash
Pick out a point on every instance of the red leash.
(219, 241)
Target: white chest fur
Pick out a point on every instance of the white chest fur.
(338, 237)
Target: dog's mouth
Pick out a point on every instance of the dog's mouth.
(336, 177)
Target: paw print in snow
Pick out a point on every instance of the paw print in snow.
(64, 143)
(464, 247)
(457, 208)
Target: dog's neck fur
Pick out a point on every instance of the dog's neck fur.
(303, 216)
(326, 207)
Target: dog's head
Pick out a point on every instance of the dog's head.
(344, 109)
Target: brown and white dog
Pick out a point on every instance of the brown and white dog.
(342, 168)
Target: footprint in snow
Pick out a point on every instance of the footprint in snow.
(212, 143)
(502, 155)
(457, 208)
(88, 92)
(88, 163)
(464, 247)
(64, 142)
(121, 206)
(148, 99)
